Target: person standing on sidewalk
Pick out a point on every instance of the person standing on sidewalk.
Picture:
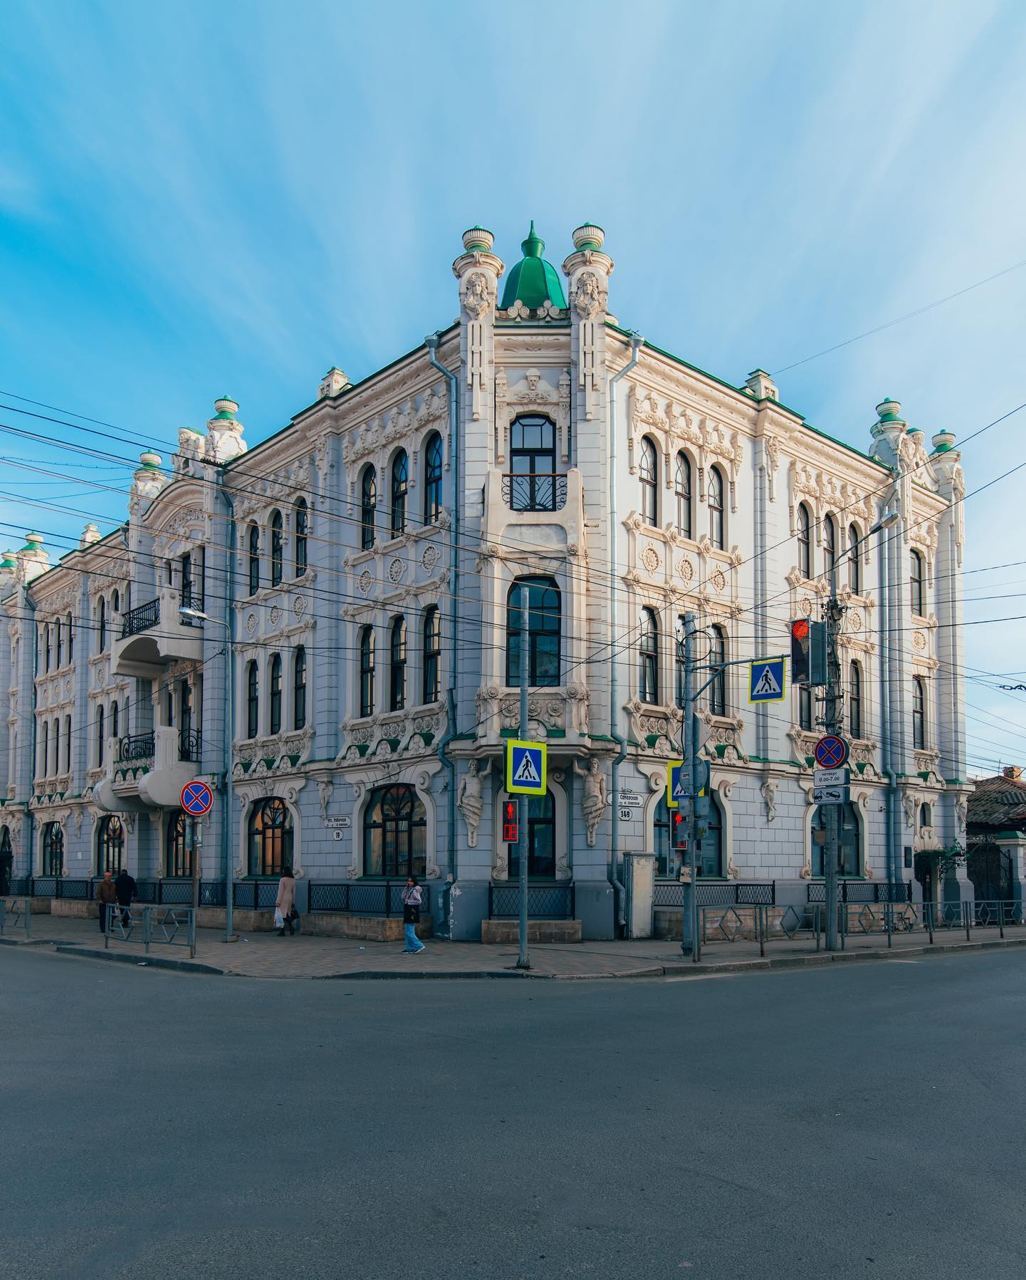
(413, 897)
(126, 889)
(284, 904)
(106, 896)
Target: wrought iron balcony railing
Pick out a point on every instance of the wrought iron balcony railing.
(542, 491)
(140, 618)
(190, 745)
(137, 746)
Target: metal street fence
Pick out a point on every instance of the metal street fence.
(863, 891)
(152, 892)
(169, 927)
(544, 901)
(16, 913)
(713, 893)
(363, 898)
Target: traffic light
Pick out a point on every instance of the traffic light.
(680, 830)
(510, 822)
(808, 652)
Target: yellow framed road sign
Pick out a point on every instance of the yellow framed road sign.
(675, 782)
(526, 767)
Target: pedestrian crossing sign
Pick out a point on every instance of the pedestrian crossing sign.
(526, 764)
(766, 680)
(676, 783)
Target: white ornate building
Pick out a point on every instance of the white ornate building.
(360, 571)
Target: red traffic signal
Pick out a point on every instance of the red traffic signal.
(510, 822)
(800, 630)
(680, 831)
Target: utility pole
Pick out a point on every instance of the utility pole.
(687, 754)
(523, 961)
(832, 723)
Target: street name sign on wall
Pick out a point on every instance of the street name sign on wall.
(526, 764)
(766, 680)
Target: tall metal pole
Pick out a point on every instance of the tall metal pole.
(687, 932)
(832, 724)
(523, 962)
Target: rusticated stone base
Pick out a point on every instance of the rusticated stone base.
(507, 931)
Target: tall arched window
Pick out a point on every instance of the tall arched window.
(71, 641)
(541, 841)
(60, 643)
(101, 736)
(44, 750)
(848, 840)
(679, 667)
(854, 565)
(682, 492)
(917, 582)
(431, 657)
(47, 638)
(394, 833)
(302, 519)
(252, 700)
(299, 689)
(53, 849)
(648, 474)
(101, 619)
(254, 559)
(270, 837)
(368, 506)
(804, 541)
(829, 545)
(57, 744)
(925, 816)
(532, 462)
(177, 855)
(854, 700)
(114, 720)
(400, 486)
(274, 681)
(919, 713)
(397, 665)
(545, 628)
(433, 464)
(6, 859)
(718, 702)
(110, 844)
(277, 549)
(717, 519)
(115, 601)
(67, 744)
(367, 671)
(648, 657)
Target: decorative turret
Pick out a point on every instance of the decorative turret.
(587, 271)
(333, 382)
(8, 570)
(533, 282)
(224, 432)
(478, 270)
(90, 534)
(761, 386)
(887, 432)
(32, 559)
(147, 481)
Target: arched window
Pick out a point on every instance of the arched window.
(177, 855)
(709, 859)
(718, 702)
(829, 545)
(71, 641)
(648, 657)
(648, 473)
(60, 643)
(717, 519)
(367, 671)
(101, 618)
(114, 720)
(400, 486)
(274, 681)
(277, 550)
(254, 559)
(917, 582)
(397, 665)
(804, 541)
(854, 700)
(252, 700)
(682, 492)
(100, 735)
(433, 463)
(67, 744)
(57, 744)
(44, 750)
(430, 666)
(679, 668)
(925, 816)
(545, 627)
(110, 844)
(804, 707)
(6, 859)
(533, 483)
(394, 833)
(47, 638)
(115, 601)
(848, 840)
(368, 506)
(854, 565)
(53, 849)
(919, 713)
(270, 837)
(541, 841)
(302, 520)
(299, 689)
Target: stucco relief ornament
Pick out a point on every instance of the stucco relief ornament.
(476, 295)
(650, 559)
(251, 623)
(275, 615)
(396, 570)
(588, 300)
(718, 580)
(686, 571)
(577, 695)
(470, 800)
(593, 801)
(768, 791)
(366, 581)
(429, 559)
(299, 606)
(961, 813)
(919, 640)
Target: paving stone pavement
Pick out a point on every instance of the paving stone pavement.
(265, 955)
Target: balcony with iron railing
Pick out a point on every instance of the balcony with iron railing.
(537, 491)
(155, 634)
(148, 770)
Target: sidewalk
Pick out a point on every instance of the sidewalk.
(265, 955)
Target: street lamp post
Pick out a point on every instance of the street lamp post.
(523, 834)
(197, 615)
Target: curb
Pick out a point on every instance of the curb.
(149, 962)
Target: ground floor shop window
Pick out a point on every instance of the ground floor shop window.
(270, 837)
(53, 849)
(110, 845)
(394, 833)
(541, 839)
(177, 856)
(848, 861)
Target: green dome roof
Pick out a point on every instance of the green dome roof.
(533, 281)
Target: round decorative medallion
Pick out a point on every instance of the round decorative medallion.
(919, 640)
(685, 570)
(650, 559)
(718, 580)
(430, 558)
(366, 580)
(855, 620)
(299, 606)
(396, 569)
(251, 623)
(805, 607)
(275, 615)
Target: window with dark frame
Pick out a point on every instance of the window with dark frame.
(855, 700)
(299, 689)
(682, 493)
(917, 582)
(545, 632)
(804, 541)
(648, 475)
(433, 467)
(277, 549)
(368, 506)
(533, 482)
(854, 566)
(717, 521)
(302, 520)
(717, 658)
(367, 671)
(400, 489)
(270, 837)
(432, 654)
(919, 713)
(648, 657)
(274, 681)
(252, 700)
(395, 833)
(254, 559)
(397, 665)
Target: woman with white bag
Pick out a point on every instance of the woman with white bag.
(285, 903)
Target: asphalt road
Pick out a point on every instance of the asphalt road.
(862, 1120)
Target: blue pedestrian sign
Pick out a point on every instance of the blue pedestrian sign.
(677, 788)
(766, 680)
(197, 799)
(525, 768)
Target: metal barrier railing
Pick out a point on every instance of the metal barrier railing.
(364, 897)
(544, 901)
(16, 913)
(165, 926)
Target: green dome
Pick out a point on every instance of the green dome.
(533, 281)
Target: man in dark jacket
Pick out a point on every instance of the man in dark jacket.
(6, 867)
(106, 896)
(126, 889)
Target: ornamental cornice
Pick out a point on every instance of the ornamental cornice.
(399, 423)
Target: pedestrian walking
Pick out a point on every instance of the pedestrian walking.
(106, 896)
(413, 897)
(127, 891)
(285, 913)
(6, 869)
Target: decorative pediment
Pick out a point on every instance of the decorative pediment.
(532, 393)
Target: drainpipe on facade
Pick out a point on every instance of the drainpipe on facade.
(229, 728)
(885, 708)
(454, 595)
(30, 834)
(614, 732)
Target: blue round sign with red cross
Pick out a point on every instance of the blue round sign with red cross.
(831, 751)
(197, 799)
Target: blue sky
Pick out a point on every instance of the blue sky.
(201, 198)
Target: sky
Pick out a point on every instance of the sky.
(199, 199)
